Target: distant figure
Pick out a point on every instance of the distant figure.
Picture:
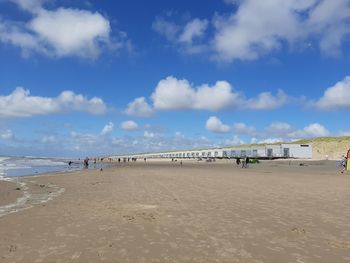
(118, 160)
(246, 162)
(181, 162)
(243, 162)
(144, 159)
(86, 163)
(70, 163)
(238, 161)
(344, 163)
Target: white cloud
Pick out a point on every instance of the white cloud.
(29, 5)
(270, 140)
(165, 28)
(259, 27)
(214, 124)
(267, 101)
(140, 108)
(316, 130)
(129, 126)
(71, 32)
(310, 131)
(84, 139)
(194, 28)
(107, 129)
(253, 140)
(234, 141)
(184, 37)
(48, 139)
(256, 28)
(148, 135)
(280, 129)
(7, 135)
(242, 128)
(174, 94)
(21, 104)
(61, 32)
(336, 97)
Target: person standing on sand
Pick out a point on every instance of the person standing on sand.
(238, 161)
(246, 162)
(86, 163)
(344, 163)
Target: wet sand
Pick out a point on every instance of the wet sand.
(9, 193)
(276, 211)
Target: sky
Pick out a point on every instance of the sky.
(86, 78)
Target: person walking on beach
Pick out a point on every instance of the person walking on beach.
(243, 162)
(86, 163)
(344, 163)
(238, 161)
(246, 162)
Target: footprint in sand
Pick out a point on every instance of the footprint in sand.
(129, 218)
(76, 255)
(298, 230)
(147, 216)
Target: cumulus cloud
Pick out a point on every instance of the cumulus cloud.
(259, 27)
(311, 131)
(174, 94)
(184, 37)
(267, 101)
(285, 132)
(242, 128)
(234, 141)
(270, 140)
(29, 5)
(336, 97)
(61, 32)
(82, 140)
(255, 28)
(7, 135)
(194, 28)
(107, 129)
(140, 108)
(148, 135)
(165, 28)
(21, 104)
(129, 125)
(214, 124)
(281, 129)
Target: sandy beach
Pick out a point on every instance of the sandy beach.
(275, 211)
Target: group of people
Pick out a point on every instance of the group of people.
(244, 161)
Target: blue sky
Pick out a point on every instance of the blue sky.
(106, 77)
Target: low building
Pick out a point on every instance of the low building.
(268, 151)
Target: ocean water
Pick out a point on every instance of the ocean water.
(26, 166)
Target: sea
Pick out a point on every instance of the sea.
(27, 166)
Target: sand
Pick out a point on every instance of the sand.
(9, 192)
(276, 211)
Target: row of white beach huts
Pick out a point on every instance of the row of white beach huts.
(271, 151)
